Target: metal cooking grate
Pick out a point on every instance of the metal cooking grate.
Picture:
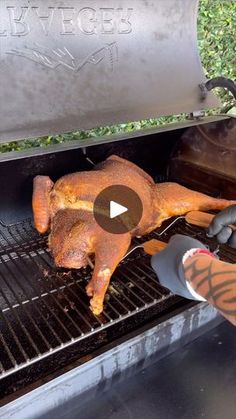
(44, 309)
(179, 226)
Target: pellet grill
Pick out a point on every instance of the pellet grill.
(68, 65)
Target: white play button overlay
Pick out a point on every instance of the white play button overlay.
(116, 209)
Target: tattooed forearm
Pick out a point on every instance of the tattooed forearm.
(215, 281)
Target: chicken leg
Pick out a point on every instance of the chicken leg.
(110, 249)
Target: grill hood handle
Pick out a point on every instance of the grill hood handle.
(218, 82)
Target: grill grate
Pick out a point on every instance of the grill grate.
(45, 309)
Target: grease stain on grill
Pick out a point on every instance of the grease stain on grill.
(45, 309)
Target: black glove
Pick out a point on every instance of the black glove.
(168, 265)
(219, 226)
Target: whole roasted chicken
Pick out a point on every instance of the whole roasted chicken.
(66, 209)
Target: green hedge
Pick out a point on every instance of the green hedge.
(217, 42)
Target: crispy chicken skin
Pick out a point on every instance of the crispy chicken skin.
(66, 209)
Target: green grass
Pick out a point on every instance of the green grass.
(217, 43)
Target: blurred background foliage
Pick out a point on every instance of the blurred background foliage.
(217, 43)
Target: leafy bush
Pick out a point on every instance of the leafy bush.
(217, 42)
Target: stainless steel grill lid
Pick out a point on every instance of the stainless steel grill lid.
(75, 64)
